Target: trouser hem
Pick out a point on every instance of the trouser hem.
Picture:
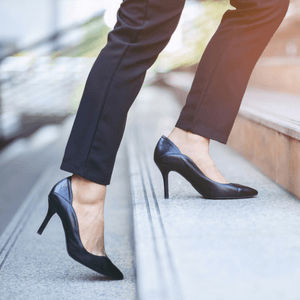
(85, 172)
(203, 131)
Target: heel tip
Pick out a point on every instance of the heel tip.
(40, 232)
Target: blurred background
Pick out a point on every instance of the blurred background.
(47, 48)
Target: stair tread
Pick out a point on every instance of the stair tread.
(188, 246)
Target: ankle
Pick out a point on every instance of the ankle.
(181, 136)
(87, 192)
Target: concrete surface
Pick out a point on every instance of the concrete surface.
(188, 247)
(38, 267)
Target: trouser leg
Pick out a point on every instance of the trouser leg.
(226, 65)
(143, 29)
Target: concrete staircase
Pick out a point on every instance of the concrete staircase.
(185, 247)
(188, 247)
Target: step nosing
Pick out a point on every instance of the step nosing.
(277, 122)
(142, 187)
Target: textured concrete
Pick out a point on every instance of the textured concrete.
(188, 247)
(38, 267)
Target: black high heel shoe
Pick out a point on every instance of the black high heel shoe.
(169, 158)
(60, 202)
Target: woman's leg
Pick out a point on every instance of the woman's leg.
(222, 76)
(143, 29)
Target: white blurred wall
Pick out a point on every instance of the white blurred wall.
(28, 21)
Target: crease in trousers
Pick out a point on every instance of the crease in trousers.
(142, 30)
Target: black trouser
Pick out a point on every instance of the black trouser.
(143, 29)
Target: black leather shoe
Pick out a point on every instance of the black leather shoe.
(169, 158)
(60, 202)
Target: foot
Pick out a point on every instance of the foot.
(196, 147)
(88, 203)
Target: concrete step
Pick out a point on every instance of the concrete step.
(188, 247)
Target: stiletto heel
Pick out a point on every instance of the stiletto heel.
(169, 158)
(165, 173)
(166, 185)
(60, 202)
(50, 213)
